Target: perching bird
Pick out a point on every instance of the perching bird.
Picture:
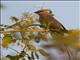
(47, 20)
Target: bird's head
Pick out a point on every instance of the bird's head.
(44, 11)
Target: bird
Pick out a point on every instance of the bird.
(47, 19)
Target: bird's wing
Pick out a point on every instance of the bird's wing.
(54, 23)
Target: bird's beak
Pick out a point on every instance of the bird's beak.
(36, 12)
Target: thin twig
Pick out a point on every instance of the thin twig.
(13, 49)
(24, 47)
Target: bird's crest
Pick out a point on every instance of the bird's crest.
(45, 10)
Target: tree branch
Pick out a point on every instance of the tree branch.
(28, 30)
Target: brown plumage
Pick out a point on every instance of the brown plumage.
(46, 19)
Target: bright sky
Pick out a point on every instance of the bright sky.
(66, 12)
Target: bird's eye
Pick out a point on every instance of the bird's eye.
(50, 11)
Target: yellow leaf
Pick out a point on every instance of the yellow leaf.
(44, 36)
(32, 48)
(76, 45)
(68, 38)
(26, 42)
(29, 21)
(6, 41)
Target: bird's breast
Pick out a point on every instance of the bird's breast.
(50, 21)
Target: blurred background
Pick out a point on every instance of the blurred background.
(67, 12)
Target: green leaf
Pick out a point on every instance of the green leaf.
(1, 24)
(41, 36)
(31, 48)
(30, 58)
(31, 35)
(29, 20)
(13, 18)
(13, 57)
(26, 41)
(23, 59)
(32, 55)
(37, 39)
(22, 54)
(44, 35)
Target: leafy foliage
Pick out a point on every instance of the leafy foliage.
(27, 33)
